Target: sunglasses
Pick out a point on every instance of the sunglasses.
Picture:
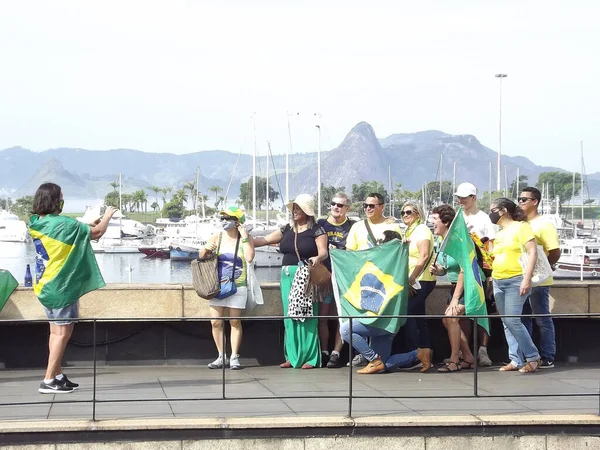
(371, 205)
(339, 205)
(524, 199)
(408, 212)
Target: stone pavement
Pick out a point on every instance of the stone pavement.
(168, 385)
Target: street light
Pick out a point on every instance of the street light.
(500, 76)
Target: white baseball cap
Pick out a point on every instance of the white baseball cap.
(465, 189)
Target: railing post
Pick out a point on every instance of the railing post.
(224, 356)
(475, 353)
(350, 355)
(94, 374)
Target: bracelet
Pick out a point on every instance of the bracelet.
(245, 240)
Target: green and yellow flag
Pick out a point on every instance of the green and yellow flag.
(373, 283)
(7, 285)
(459, 245)
(65, 260)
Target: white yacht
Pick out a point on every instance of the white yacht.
(579, 258)
(12, 229)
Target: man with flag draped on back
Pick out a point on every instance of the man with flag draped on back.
(371, 282)
(459, 260)
(66, 269)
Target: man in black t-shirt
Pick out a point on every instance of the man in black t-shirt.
(337, 226)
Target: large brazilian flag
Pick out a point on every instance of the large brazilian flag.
(65, 258)
(459, 245)
(373, 283)
(7, 285)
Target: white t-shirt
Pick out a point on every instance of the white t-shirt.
(481, 224)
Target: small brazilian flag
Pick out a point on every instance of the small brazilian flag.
(372, 283)
(7, 285)
(459, 245)
(65, 260)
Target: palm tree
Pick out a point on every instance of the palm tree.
(115, 185)
(220, 201)
(165, 191)
(191, 186)
(180, 196)
(216, 189)
(156, 191)
(155, 206)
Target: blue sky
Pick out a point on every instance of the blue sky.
(184, 76)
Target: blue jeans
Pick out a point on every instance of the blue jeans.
(381, 340)
(539, 303)
(416, 331)
(510, 302)
(401, 360)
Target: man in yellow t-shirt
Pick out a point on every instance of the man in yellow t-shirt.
(539, 300)
(358, 237)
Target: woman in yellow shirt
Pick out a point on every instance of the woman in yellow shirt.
(420, 252)
(511, 285)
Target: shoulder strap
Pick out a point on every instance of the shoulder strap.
(219, 243)
(296, 245)
(370, 233)
(235, 256)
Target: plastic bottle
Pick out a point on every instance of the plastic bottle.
(28, 278)
(39, 268)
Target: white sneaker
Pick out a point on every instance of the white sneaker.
(482, 356)
(234, 362)
(217, 363)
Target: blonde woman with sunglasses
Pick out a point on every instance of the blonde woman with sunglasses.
(420, 252)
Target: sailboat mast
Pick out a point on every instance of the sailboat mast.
(582, 171)
(505, 181)
(196, 202)
(318, 164)
(120, 206)
(518, 176)
(453, 182)
(267, 185)
(287, 168)
(254, 169)
(390, 189)
(490, 185)
(572, 199)
(441, 159)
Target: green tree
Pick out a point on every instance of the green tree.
(560, 184)
(155, 206)
(157, 190)
(180, 196)
(191, 186)
(112, 199)
(166, 193)
(261, 189)
(5, 203)
(139, 198)
(22, 207)
(115, 185)
(175, 208)
(484, 200)
(216, 189)
(512, 191)
(362, 190)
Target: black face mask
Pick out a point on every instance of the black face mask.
(494, 217)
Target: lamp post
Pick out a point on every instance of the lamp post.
(500, 76)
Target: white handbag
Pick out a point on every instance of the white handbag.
(542, 270)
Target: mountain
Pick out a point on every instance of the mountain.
(412, 158)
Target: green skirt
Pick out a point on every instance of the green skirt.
(301, 340)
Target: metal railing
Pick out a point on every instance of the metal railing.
(350, 396)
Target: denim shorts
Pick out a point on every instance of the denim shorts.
(63, 316)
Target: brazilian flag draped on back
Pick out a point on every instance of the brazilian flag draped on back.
(373, 283)
(7, 285)
(65, 258)
(459, 245)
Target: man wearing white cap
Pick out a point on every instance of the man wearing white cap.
(479, 223)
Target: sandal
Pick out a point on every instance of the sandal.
(467, 365)
(530, 367)
(447, 368)
(510, 367)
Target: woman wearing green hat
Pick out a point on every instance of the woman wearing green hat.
(224, 244)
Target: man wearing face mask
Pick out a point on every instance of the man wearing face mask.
(233, 236)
